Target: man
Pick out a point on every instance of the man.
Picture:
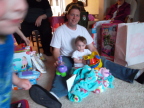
(63, 44)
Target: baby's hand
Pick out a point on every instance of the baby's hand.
(83, 61)
(24, 84)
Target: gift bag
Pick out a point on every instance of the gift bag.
(129, 48)
(109, 32)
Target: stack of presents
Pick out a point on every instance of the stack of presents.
(121, 43)
(27, 64)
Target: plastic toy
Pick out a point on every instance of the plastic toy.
(61, 68)
(32, 76)
(93, 60)
(21, 48)
(20, 104)
(29, 75)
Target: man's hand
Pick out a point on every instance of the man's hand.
(112, 20)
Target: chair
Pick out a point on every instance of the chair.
(133, 4)
(36, 35)
(83, 19)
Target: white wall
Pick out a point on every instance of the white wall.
(93, 6)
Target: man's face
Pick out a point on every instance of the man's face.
(73, 17)
(12, 13)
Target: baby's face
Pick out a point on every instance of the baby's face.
(12, 13)
(80, 46)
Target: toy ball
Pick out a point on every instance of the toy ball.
(62, 68)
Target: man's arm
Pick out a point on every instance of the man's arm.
(91, 47)
(56, 53)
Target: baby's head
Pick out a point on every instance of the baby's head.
(12, 13)
(80, 43)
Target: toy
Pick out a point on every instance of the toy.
(32, 76)
(21, 48)
(22, 62)
(20, 104)
(105, 72)
(93, 60)
(29, 75)
(61, 68)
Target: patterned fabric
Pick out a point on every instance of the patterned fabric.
(87, 80)
(6, 56)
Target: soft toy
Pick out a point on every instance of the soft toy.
(105, 72)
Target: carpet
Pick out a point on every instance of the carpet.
(123, 95)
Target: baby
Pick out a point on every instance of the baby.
(77, 55)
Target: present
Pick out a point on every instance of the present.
(21, 62)
(129, 47)
(108, 40)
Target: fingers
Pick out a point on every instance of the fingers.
(27, 41)
(38, 22)
(56, 63)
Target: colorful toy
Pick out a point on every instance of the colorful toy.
(61, 68)
(32, 76)
(105, 72)
(29, 75)
(21, 48)
(93, 60)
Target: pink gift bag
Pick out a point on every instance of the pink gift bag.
(129, 47)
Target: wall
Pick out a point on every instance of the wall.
(139, 15)
(101, 7)
(92, 8)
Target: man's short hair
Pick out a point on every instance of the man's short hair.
(82, 39)
(75, 6)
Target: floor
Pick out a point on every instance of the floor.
(119, 97)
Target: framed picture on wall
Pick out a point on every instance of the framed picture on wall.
(84, 1)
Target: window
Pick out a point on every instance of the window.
(57, 6)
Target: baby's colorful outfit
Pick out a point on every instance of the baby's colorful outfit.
(6, 57)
